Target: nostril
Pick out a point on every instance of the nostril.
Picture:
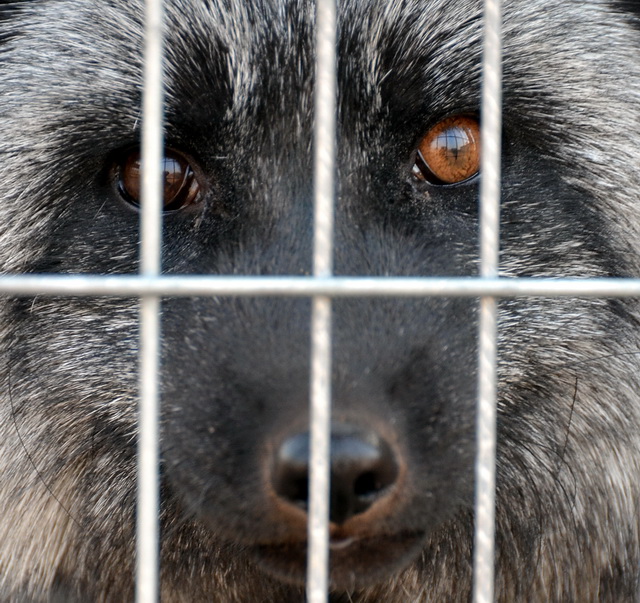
(298, 492)
(363, 468)
(368, 483)
(291, 471)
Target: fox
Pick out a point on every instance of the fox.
(234, 380)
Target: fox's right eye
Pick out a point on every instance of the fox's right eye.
(181, 187)
(449, 153)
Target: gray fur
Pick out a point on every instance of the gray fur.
(239, 77)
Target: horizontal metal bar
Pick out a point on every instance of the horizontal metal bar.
(294, 286)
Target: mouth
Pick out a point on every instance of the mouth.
(353, 562)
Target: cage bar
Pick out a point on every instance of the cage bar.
(294, 286)
(320, 403)
(147, 515)
(485, 467)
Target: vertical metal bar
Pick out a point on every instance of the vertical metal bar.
(484, 549)
(324, 187)
(147, 537)
(318, 530)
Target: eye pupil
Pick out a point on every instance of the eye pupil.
(180, 186)
(450, 152)
(173, 178)
(178, 177)
(130, 182)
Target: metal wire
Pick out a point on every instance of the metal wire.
(320, 411)
(147, 537)
(183, 286)
(485, 469)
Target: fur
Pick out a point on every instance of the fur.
(235, 371)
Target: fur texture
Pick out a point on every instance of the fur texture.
(235, 371)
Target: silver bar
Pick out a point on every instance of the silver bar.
(148, 507)
(182, 286)
(320, 426)
(320, 404)
(491, 123)
(483, 573)
(147, 529)
(491, 140)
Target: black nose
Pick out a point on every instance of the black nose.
(363, 468)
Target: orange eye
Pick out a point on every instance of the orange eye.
(450, 151)
(181, 187)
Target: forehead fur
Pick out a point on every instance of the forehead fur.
(401, 65)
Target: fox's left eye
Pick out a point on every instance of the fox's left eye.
(449, 153)
(181, 187)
